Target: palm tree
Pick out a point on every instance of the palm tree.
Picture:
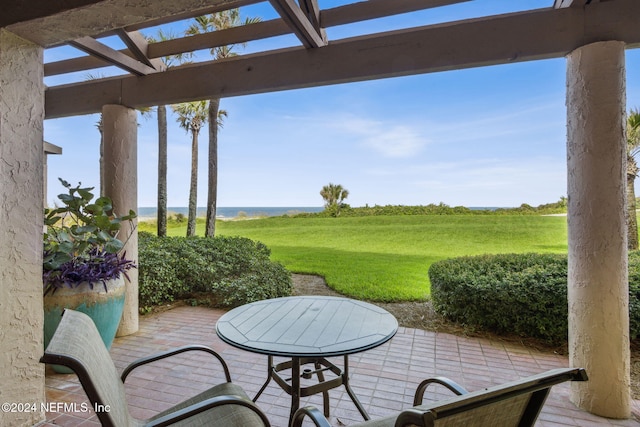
(204, 24)
(161, 110)
(334, 196)
(633, 148)
(191, 117)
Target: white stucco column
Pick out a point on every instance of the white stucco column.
(21, 221)
(598, 277)
(120, 133)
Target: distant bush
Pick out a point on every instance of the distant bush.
(440, 209)
(230, 270)
(523, 294)
(558, 207)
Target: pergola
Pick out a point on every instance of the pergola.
(591, 34)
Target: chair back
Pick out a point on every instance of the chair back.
(77, 345)
(516, 404)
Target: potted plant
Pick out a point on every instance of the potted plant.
(84, 265)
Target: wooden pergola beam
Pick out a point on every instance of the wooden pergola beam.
(312, 11)
(486, 41)
(73, 65)
(95, 48)
(234, 35)
(139, 48)
(330, 17)
(372, 9)
(560, 4)
(299, 23)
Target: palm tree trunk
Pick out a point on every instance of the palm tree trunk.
(632, 221)
(212, 194)
(162, 170)
(102, 182)
(193, 190)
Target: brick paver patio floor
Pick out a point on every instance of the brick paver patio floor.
(383, 378)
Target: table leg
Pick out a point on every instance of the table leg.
(295, 386)
(269, 376)
(325, 393)
(352, 395)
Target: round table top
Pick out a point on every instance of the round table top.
(307, 326)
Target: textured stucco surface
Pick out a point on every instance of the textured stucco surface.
(101, 17)
(21, 219)
(598, 282)
(120, 127)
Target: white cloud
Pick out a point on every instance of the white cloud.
(387, 139)
(399, 141)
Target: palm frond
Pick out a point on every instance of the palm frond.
(191, 115)
(220, 21)
(633, 132)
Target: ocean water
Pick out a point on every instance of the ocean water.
(232, 212)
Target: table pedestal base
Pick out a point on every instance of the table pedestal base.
(320, 366)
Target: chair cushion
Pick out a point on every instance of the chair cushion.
(226, 415)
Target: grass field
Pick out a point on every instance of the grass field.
(386, 258)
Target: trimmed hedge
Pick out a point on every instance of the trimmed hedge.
(230, 270)
(523, 294)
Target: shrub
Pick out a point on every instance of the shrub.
(439, 209)
(525, 294)
(231, 270)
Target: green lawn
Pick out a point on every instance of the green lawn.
(386, 258)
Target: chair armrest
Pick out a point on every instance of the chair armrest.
(173, 352)
(448, 383)
(410, 417)
(316, 416)
(205, 405)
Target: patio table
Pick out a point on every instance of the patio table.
(307, 330)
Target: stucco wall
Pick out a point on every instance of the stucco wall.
(21, 218)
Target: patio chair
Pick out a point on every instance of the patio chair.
(517, 403)
(77, 345)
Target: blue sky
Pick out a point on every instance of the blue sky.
(492, 136)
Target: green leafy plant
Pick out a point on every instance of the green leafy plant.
(81, 241)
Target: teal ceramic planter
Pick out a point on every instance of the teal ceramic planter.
(104, 308)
